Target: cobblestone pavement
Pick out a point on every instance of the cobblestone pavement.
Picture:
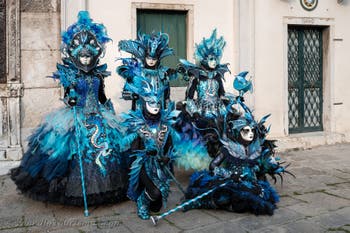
(318, 200)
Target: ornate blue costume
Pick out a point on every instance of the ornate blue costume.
(149, 140)
(206, 78)
(73, 155)
(147, 51)
(237, 175)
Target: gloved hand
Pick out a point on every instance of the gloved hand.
(171, 72)
(164, 160)
(241, 98)
(72, 101)
(180, 69)
(196, 116)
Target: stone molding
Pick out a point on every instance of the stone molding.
(12, 90)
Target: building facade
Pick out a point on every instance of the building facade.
(295, 52)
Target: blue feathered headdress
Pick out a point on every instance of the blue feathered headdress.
(85, 23)
(210, 46)
(155, 45)
(146, 88)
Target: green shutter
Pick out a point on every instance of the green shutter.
(174, 24)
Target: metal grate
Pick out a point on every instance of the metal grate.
(2, 41)
(304, 79)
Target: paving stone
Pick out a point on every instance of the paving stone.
(280, 216)
(123, 208)
(344, 192)
(304, 226)
(15, 230)
(224, 215)
(307, 171)
(191, 219)
(288, 201)
(308, 204)
(11, 222)
(7, 187)
(135, 224)
(334, 220)
(318, 203)
(274, 229)
(70, 230)
(222, 227)
(119, 229)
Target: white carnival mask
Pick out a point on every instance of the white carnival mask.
(247, 133)
(153, 107)
(212, 62)
(85, 60)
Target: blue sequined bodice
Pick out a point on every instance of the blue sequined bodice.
(208, 90)
(87, 89)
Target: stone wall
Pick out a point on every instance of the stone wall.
(40, 42)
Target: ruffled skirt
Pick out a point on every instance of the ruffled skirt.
(256, 196)
(50, 169)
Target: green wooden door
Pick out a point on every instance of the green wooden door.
(305, 79)
(174, 24)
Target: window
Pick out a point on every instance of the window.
(172, 22)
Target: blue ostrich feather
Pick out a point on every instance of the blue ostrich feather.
(210, 46)
(146, 88)
(134, 174)
(154, 45)
(129, 69)
(66, 74)
(85, 23)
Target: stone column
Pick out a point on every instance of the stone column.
(12, 90)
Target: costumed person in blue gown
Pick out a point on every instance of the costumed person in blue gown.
(73, 155)
(237, 175)
(147, 51)
(206, 80)
(149, 140)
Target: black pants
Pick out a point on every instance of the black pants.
(152, 191)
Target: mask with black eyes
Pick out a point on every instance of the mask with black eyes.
(84, 51)
(246, 135)
(212, 61)
(152, 107)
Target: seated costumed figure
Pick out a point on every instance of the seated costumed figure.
(73, 155)
(149, 142)
(147, 51)
(206, 80)
(236, 179)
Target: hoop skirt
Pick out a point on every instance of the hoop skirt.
(50, 169)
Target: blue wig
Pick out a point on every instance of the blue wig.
(212, 46)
